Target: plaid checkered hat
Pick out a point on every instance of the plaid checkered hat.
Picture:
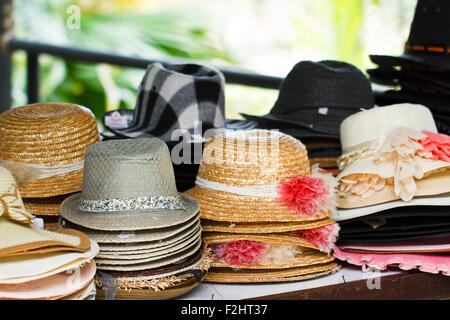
(172, 97)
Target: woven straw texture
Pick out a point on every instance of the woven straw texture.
(153, 254)
(262, 227)
(128, 169)
(246, 158)
(228, 275)
(136, 239)
(50, 134)
(308, 257)
(275, 238)
(44, 206)
(167, 260)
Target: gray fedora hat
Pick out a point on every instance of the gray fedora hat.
(128, 185)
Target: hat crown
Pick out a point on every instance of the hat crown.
(256, 157)
(323, 84)
(175, 96)
(431, 24)
(49, 134)
(367, 128)
(127, 169)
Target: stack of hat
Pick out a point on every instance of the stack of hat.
(174, 102)
(421, 74)
(313, 100)
(39, 264)
(264, 214)
(43, 146)
(394, 190)
(149, 234)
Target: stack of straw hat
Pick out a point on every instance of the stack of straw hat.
(39, 264)
(264, 214)
(43, 146)
(149, 234)
(394, 190)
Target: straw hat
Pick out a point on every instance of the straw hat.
(229, 275)
(166, 282)
(45, 206)
(128, 185)
(43, 145)
(54, 287)
(239, 176)
(392, 153)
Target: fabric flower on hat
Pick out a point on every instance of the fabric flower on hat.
(322, 237)
(241, 252)
(436, 145)
(309, 195)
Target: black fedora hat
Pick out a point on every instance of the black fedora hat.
(428, 42)
(315, 97)
(406, 79)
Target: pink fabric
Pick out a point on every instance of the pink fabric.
(240, 252)
(322, 237)
(431, 244)
(305, 196)
(430, 263)
(437, 145)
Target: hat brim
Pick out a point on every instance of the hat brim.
(309, 257)
(436, 181)
(136, 239)
(262, 227)
(228, 275)
(146, 256)
(154, 264)
(127, 220)
(228, 207)
(274, 238)
(295, 128)
(430, 60)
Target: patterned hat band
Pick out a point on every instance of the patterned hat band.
(131, 204)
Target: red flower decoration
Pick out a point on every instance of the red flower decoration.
(322, 237)
(305, 196)
(238, 253)
(436, 144)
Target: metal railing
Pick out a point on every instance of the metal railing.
(34, 49)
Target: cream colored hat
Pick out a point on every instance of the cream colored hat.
(392, 153)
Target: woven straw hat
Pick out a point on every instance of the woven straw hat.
(48, 138)
(378, 142)
(45, 206)
(128, 185)
(229, 275)
(237, 161)
(23, 268)
(136, 239)
(167, 282)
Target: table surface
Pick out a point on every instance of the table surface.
(348, 283)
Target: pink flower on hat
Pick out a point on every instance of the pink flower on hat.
(305, 196)
(437, 145)
(322, 237)
(240, 252)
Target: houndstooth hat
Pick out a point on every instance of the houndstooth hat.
(172, 97)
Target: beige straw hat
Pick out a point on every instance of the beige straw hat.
(43, 145)
(167, 282)
(230, 275)
(392, 153)
(262, 227)
(128, 185)
(239, 176)
(45, 206)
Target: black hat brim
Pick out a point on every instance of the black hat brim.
(430, 60)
